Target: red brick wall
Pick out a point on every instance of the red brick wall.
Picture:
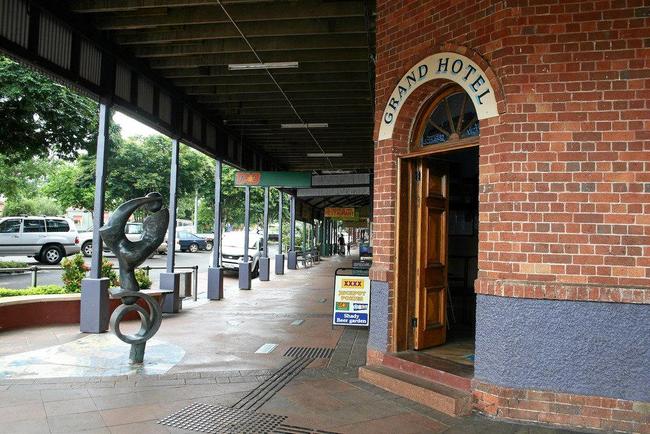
(565, 168)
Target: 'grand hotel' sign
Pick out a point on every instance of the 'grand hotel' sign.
(449, 66)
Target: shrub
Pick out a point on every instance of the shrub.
(107, 271)
(144, 281)
(37, 290)
(12, 264)
(74, 269)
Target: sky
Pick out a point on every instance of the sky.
(131, 127)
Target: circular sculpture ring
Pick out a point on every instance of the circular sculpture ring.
(149, 322)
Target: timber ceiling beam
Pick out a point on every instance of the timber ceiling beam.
(261, 45)
(102, 6)
(264, 89)
(241, 12)
(260, 29)
(308, 68)
(301, 56)
(288, 79)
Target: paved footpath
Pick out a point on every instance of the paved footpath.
(220, 383)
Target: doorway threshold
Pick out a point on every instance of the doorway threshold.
(436, 369)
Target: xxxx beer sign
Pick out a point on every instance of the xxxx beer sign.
(352, 283)
(273, 179)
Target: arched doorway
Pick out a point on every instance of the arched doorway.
(437, 220)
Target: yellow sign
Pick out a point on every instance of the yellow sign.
(341, 213)
(351, 301)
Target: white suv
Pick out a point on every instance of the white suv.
(47, 239)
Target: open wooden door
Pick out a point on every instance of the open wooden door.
(431, 255)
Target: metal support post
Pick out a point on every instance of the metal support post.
(170, 280)
(245, 264)
(292, 261)
(94, 314)
(265, 261)
(215, 272)
(279, 257)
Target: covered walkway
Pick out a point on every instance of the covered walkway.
(219, 366)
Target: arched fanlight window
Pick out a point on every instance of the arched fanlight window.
(450, 118)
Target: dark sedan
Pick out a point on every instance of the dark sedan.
(189, 242)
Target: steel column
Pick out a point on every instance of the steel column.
(265, 262)
(170, 280)
(292, 261)
(279, 257)
(94, 313)
(215, 272)
(245, 264)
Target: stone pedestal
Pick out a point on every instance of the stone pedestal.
(173, 302)
(292, 260)
(279, 264)
(94, 305)
(265, 269)
(215, 283)
(245, 275)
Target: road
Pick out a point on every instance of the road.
(23, 280)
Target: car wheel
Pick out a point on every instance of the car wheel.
(87, 249)
(208, 246)
(51, 255)
(193, 248)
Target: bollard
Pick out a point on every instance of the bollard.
(34, 271)
(195, 283)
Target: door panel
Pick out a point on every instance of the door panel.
(431, 269)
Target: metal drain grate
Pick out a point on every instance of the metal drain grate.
(310, 353)
(290, 429)
(213, 419)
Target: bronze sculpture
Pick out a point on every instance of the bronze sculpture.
(129, 255)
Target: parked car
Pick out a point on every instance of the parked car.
(232, 250)
(133, 232)
(189, 242)
(46, 239)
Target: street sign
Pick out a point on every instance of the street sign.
(273, 179)
(351, 298)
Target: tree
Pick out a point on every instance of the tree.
(32, 206)
(22, 178)
(72, 184)
(39, 117)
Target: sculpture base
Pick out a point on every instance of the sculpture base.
(137, 353)
(94, 313)
(279, 264)
(173, 302)
(265, 269)
(245, 275)
(215, 283)
(292, 260)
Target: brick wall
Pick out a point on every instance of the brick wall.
(565, 169)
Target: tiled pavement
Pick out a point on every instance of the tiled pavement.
(220, 367)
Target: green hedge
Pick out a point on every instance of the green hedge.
(37, 290)
(13, 264)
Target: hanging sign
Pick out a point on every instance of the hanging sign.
(273, 179)
(351, 298)
(340, 213)
(448, 66)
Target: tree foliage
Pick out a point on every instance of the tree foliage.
(39, 117)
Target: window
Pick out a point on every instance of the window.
(452, 117)
(55, 225)
(11, 226)
(33, 225)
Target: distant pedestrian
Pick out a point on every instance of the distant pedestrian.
(341, 245)
(349, 247)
